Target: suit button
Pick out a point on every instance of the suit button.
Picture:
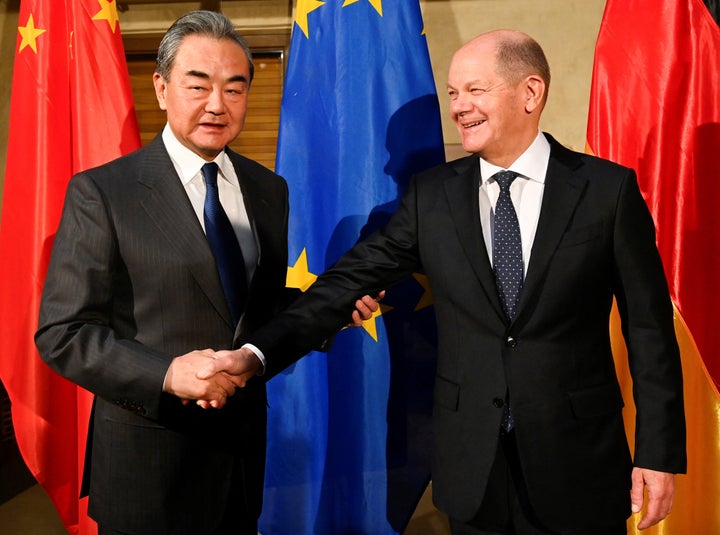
(498, 402)
(511, 342)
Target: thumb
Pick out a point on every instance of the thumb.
(206, 371)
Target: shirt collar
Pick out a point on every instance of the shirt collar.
(531, 164)
(188, 164)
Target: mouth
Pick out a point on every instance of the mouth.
(473, 124)
(212, 126)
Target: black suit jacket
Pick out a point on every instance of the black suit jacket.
(131, 284)
(595, 241)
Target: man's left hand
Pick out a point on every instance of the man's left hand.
(660, 491)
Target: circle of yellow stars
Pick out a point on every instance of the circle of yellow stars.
(304, 7)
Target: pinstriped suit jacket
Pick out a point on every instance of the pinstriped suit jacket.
(131, 284)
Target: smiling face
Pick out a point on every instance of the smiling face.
(497, 118)
(205, 95)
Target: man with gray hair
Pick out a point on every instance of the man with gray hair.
(178, 247)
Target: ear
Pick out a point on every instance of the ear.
(160, 88)
(534, 93)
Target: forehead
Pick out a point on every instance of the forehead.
(205, 53)
(475, 62)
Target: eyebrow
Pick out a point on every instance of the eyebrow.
(197, 74)
(206, 76)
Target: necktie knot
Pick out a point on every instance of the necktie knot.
(504, 179)
(210, 171)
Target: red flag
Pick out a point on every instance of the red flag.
(654, 106)
(71, 109)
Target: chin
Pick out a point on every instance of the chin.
(472, 148)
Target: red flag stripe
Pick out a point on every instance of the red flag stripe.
(654, 107)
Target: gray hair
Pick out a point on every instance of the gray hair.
(206, 23)
(518, 57)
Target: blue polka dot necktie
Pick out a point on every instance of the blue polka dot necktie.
(507, 261)
(507, 247)
(224, 245)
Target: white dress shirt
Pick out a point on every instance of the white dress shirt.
(188, 166)
(526, 193)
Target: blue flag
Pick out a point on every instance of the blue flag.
(349, 440)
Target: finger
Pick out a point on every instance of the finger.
(370, 303)
(356, 319)
(363, 308)
(202, 403)
(218, 403)
(653, 515)
(238, 381)
(637, 491)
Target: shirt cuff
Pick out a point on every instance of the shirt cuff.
(259, 355)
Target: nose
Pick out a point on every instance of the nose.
(459, 105)
(215, 103)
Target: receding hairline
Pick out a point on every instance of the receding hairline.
(518, 56)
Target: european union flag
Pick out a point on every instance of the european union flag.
(349, 440)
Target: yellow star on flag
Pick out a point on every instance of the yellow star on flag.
(370, 325)
(29, 35)
(299, 276)
(301, 13)
(427, 297)
(377, 4)
(108, 12)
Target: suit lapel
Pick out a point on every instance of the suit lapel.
(563, 189)
(263, 215)
(462, 194)
(256, 205)
(168, 206)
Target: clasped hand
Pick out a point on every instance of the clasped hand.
(209, 377)
(183, 379)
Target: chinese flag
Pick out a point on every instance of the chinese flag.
(71, 109)
(654, 106)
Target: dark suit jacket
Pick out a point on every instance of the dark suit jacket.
(595, 240)
(131, 284)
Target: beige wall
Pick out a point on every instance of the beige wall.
(566, 29)
(8, 36)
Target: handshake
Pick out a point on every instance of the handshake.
(209, 377)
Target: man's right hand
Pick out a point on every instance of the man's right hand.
(241, 364)
(182, 379)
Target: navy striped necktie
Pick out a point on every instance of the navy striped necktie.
(224, 245)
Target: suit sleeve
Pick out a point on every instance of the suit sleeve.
(647, 323)
(372, 265)
(75, 336)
